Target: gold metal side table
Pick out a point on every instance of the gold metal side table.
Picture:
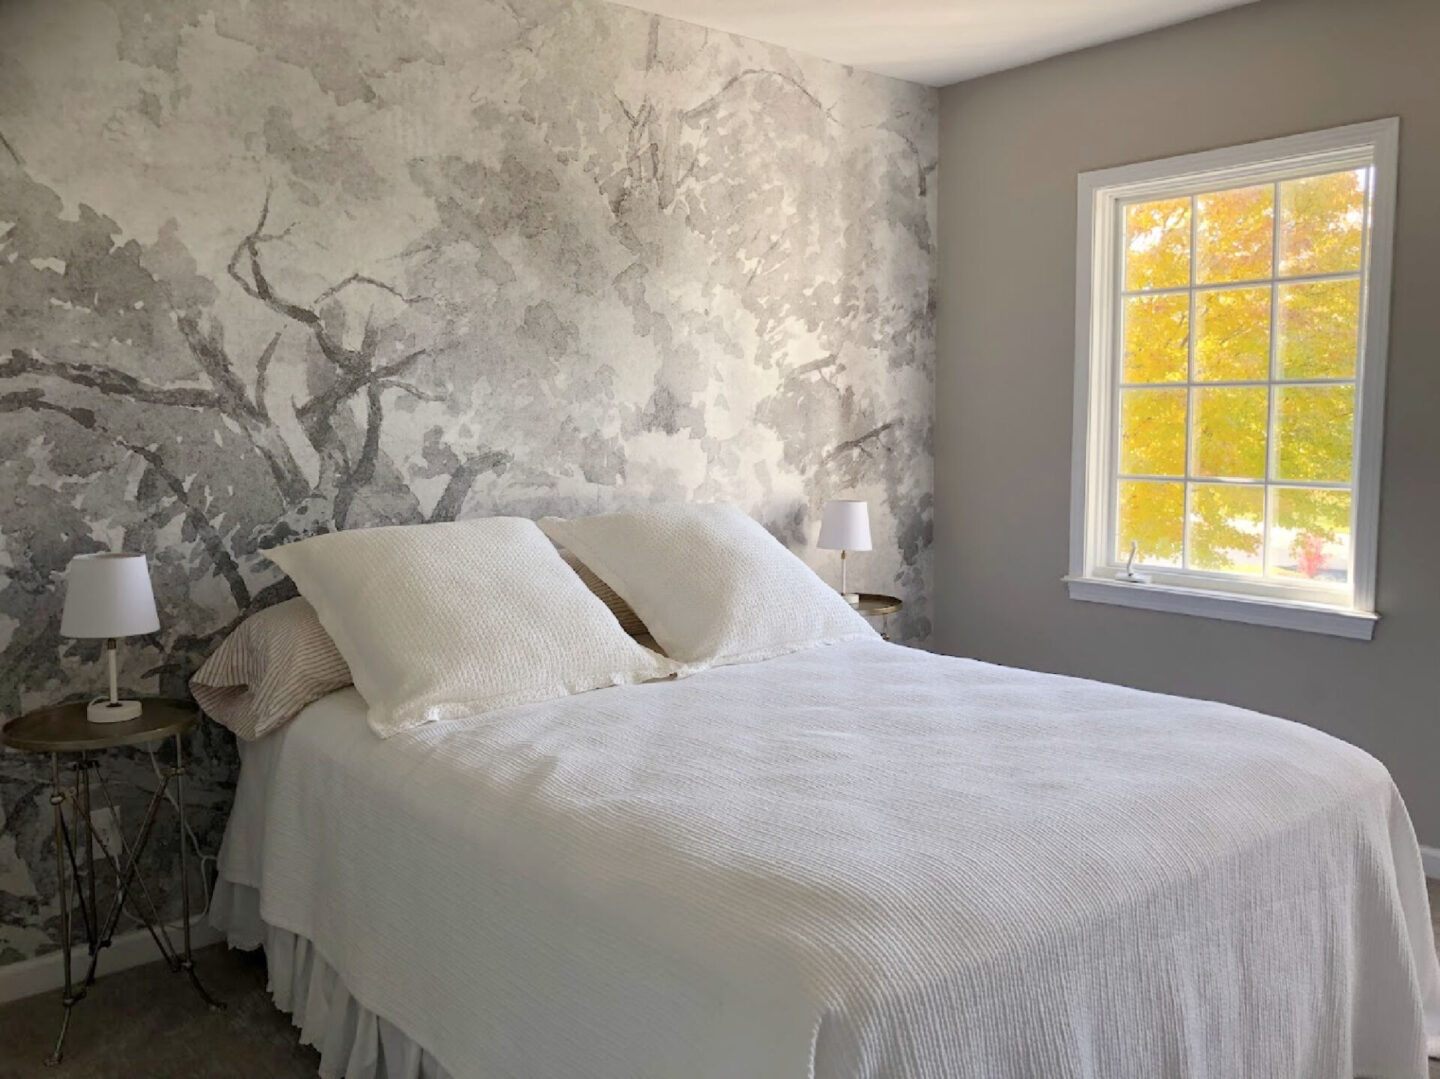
(874, 605)
(64, 729)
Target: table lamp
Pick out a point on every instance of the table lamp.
(108, 596)
(845, 527)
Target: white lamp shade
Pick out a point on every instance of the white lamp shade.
(108, 595)
(845, 526)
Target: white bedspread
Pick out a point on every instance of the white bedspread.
(855, 861)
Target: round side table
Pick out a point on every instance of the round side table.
(63, 729)
(875, 605)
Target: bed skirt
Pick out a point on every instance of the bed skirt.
(353, 1041)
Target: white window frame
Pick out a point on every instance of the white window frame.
(1102, 196)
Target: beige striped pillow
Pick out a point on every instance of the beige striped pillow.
(275, 663)
(629, 621)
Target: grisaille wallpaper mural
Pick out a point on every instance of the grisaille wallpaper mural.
(274, 267)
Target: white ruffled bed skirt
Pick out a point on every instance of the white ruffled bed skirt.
(353, 1041)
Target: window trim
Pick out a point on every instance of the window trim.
(1101, 194)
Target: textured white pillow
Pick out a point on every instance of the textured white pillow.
(712, 586)
(442, 621)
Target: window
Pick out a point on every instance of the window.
(1231, 331)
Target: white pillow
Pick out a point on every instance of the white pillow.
(712, 586)
(442, 621)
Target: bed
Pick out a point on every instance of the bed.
(857, 861)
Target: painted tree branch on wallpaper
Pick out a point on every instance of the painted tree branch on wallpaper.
(445, 259)
(322, 504)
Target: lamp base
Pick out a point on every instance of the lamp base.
(852, 598)
(103, 710)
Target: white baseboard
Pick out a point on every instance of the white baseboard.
(1430, 859)
(46, 972)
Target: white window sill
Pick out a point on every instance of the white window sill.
(1285, 614)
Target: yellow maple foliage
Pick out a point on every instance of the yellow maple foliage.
(1237, 287)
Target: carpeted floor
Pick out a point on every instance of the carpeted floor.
(147, 1023)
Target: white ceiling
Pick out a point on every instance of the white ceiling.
(934, 41)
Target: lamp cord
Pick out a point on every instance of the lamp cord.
(188, 832)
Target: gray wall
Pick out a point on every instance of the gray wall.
(1011, 146)
(275, 268)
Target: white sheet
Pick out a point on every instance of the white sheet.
(854, 861)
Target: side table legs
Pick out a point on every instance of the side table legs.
(97, 933)
(188, 963)
(57, 804)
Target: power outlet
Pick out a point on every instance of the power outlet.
(108, 836)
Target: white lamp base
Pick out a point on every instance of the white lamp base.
(852, 598)
(103, 710)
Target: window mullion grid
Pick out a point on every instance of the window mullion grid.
(1270, 481)
(1271, 392)
(1256, 282)
(1230, 481)
(1253, 383)
(1189, 394)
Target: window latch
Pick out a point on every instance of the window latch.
(1128, 573)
